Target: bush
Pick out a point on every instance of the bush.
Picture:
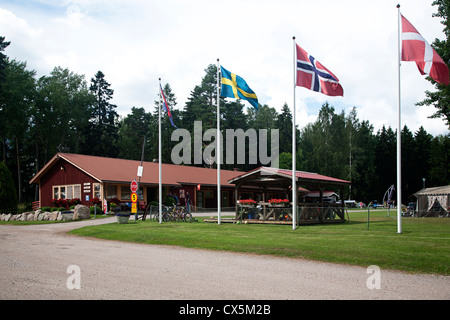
(44, 209)
(169, 201)
(92, 210)
(8, 194)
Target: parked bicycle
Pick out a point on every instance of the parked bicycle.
(174, 213)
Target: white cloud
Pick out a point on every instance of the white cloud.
(134, 43)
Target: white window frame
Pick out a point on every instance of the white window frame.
(74, 187)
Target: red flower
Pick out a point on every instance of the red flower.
(247, 201)
(279, 201)
(96, 200)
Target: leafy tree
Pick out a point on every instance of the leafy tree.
(385, 160)
(421, 157)
(166, 126)
(103, 130)
(62, 112)
(16, 100)
(440, 98)
(284, 124)
(409, 185)
(439, 159)
(363, 163)
(202, 103)
(8, 195)
(133, 129)
(3, 62)
(324, 144)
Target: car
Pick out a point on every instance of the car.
(374, 204)
(350, 203)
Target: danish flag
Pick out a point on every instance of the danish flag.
(416, 48)
(312, 75)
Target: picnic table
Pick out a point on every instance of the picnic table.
(266, 212)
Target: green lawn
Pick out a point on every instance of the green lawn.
(423, 247)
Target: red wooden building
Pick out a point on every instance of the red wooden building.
(68, 176)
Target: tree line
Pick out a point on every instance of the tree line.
(62, 112)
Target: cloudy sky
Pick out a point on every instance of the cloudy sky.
(134, 42)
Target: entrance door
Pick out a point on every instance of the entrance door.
(200, 199)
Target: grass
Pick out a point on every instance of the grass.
(423, 247)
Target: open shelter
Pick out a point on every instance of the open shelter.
(433, 202)
(273, 181)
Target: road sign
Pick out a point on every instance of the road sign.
(140, 171)
(134, 207)
(134, 197)
(134, 186)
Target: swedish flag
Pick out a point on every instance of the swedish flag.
(234, 86)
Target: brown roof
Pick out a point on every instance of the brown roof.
(122, 170)
(268, 173)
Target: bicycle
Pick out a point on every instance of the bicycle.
(154, 216)
(179, 214)
(185, 215)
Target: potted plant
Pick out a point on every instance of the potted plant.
(247, 202)
(278, 202)
(122, 218)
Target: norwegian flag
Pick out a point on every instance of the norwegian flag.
(312, 75)
(416, 48)
(166, 106)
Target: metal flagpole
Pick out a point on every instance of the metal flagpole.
(159, 152)
(294, 185)
(399, 135)
(219, 194)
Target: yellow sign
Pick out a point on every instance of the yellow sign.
(134, 197)
(134, 207)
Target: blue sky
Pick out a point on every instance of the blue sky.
(136, 42)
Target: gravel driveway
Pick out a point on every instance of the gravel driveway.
(34, 262)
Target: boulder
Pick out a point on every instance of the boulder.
(25, 216)
(54, 216)
(67, 216)
(81, 212)
(36, 214)
(30, 217)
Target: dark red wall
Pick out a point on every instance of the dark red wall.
(69, 175)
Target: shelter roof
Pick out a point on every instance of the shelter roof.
(269, 175)
(124, 171)
(434, 191)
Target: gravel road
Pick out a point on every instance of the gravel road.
(35, 259)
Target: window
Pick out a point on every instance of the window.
(67, 192)
(97, 190)
(111, 192)
(125, 193)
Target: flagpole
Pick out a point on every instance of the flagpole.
(219, 194)
(159, 152)
(399, 135)
(294, 185)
